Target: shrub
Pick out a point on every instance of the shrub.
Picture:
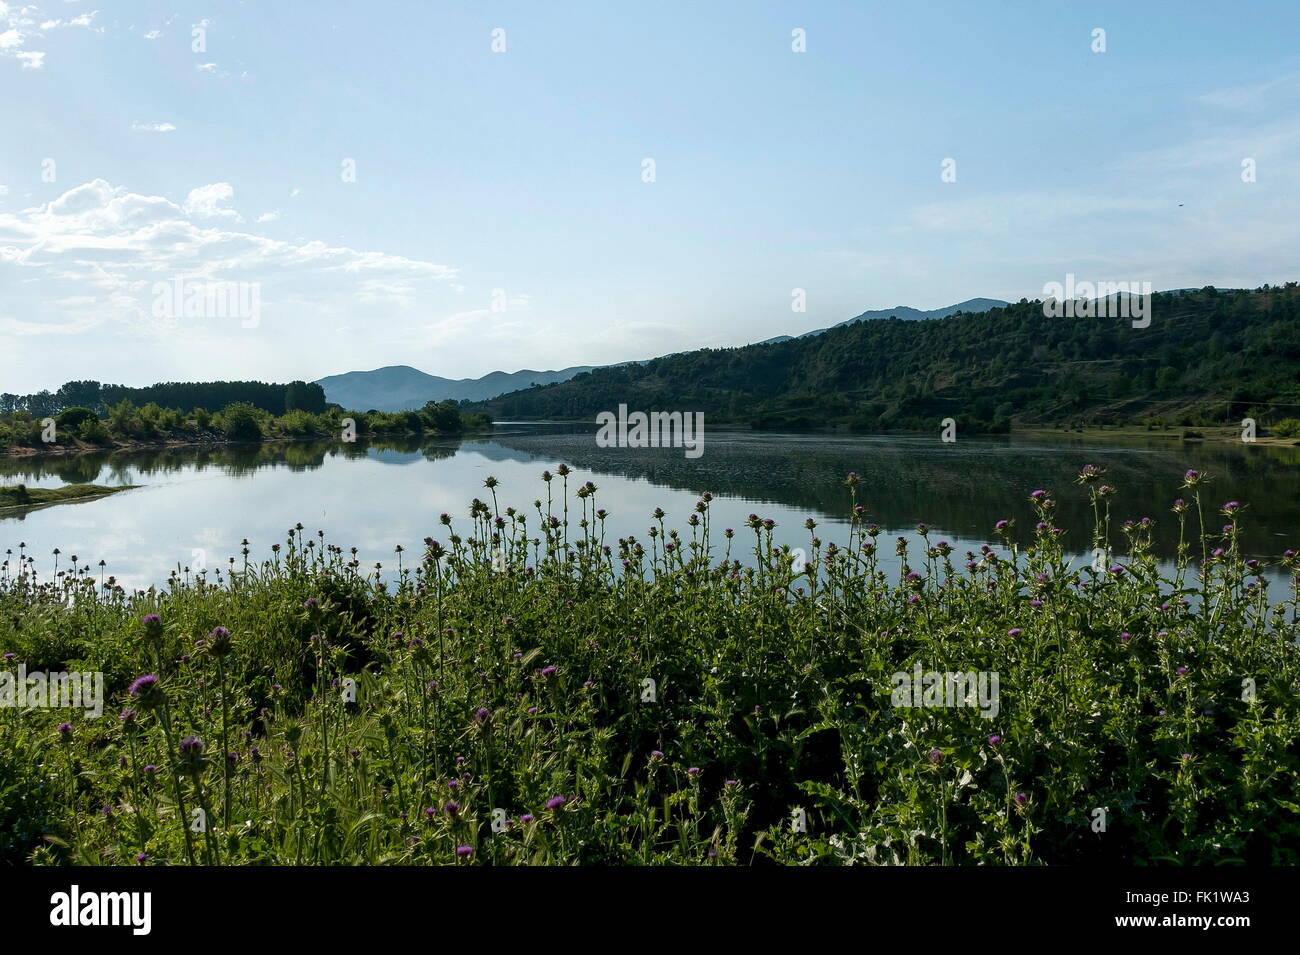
(72, 419)
(241, 421)
(1287, 428)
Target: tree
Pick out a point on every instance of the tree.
(301, 396)
(82, 394)
(443, 416)
(240, 421)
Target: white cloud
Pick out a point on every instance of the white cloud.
(84, 20)
(210, 200)
(1251, 95)
(88, 261)
(153, 34)
(152, 127)
(269, 216)
(18, 25)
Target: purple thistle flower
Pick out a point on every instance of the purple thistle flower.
(1021, 799)
(143, 684)
(994, 740)
(935, 756)
(464, 851)
(146, 690)
(555, 802)
(1014, 632)
(527, 817)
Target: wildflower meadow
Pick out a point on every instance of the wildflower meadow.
(528, 692)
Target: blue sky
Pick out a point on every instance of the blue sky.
(515, 179)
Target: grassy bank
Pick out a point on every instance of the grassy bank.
(682, 698)
(20, 495)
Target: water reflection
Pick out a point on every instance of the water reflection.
(198, 504)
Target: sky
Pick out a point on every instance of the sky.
(470, 187)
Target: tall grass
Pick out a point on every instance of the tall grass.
(661, 701)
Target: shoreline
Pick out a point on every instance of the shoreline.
(80, 447)
(39, 497)
(1185, 435)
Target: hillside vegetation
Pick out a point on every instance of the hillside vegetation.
(1207, 357)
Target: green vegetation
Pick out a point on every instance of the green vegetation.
(507, 669)
(1208, 357)
(241, 421)
(20, 495)
(273, 398)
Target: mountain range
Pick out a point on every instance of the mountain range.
(402, 388)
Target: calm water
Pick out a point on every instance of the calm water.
(374, 497)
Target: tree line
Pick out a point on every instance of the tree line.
(276, 399)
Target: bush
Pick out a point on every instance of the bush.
(241, 421)
(299, 424)
(1287, 428)
(72, 419)
(94, 432)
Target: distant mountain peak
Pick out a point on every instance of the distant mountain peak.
(402, 388)
(903, 312)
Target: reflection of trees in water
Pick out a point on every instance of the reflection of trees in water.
(962, 488)
(233, 460)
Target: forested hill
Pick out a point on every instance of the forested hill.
(1206, 357)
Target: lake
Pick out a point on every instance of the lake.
(197, 504)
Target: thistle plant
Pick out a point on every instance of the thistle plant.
(506, 669)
